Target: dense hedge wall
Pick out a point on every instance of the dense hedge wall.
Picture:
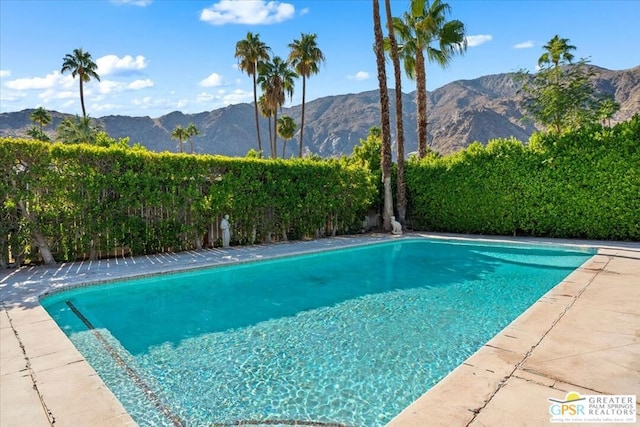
(88, 200)
(582, 184)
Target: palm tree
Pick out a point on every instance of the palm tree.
(425, 30)
(80, 130)
(181, 135)
(384, 116)
(42, 117)
(250, 52)
(276, 81)
(80, 64)
(607, 109)
(401, 188)
(305, 57)
(192, 131)
(266, 111)
(286, 130)
(558, 52)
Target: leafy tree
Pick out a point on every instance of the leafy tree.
(41, 117)
(250, 52)
(560, 95)
(401, 202)
(286, 130)
(80, 64)
(424, 30)
(305, 57)
(192, 131)
(276, 81)
(384, 116)
(180, 133)
(80, 130)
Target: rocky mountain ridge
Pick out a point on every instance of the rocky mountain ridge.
(460, 113)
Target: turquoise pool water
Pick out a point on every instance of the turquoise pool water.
(344, 337)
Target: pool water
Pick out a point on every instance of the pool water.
(343, 337)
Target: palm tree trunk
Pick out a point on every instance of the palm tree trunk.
(84, 113)
(421, 85)
(401, 202)
(255, 108)
(384, 116)
(274, 141)
(304, 91)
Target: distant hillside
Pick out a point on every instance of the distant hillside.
(460, 113)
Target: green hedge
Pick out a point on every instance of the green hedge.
(582, 184)
(89, 200)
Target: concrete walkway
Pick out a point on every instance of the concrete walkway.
(582, 336)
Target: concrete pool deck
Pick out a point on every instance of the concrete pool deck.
(582, 336)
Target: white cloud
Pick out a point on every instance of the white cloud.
(141, 3)
(360, 75)
(523, 45)
(108, 86)
(213, 80)
(204, 97)
(238, 96)
(111, 64)
(247, 12)
(140, 84)
(143, 102)
(5, 73)
(50, 94)
(477, 40)
(49, 81)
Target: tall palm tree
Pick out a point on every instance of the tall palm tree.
(192, 131)
(276, 81)
(180, 133)
(250, 52)
(401, 188)
(41, 117)
(384, 116)
(80, 64)
(286, 130)
(305, 58)
(424, 30)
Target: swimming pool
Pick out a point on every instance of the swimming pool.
(348, 337)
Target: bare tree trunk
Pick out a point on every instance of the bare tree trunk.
(304, 91)
(384, 115)
(41, 242)
(421, 94)
(401, 202)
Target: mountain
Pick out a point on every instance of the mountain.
(460, 113)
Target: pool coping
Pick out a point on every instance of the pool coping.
(44, 379)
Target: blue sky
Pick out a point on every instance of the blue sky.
(159, 56)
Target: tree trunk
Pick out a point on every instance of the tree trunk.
(43, 247)
(304, 91)
(84, 113)
(401, 202)
(421, 97)
(255, 107)
(384, 115)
